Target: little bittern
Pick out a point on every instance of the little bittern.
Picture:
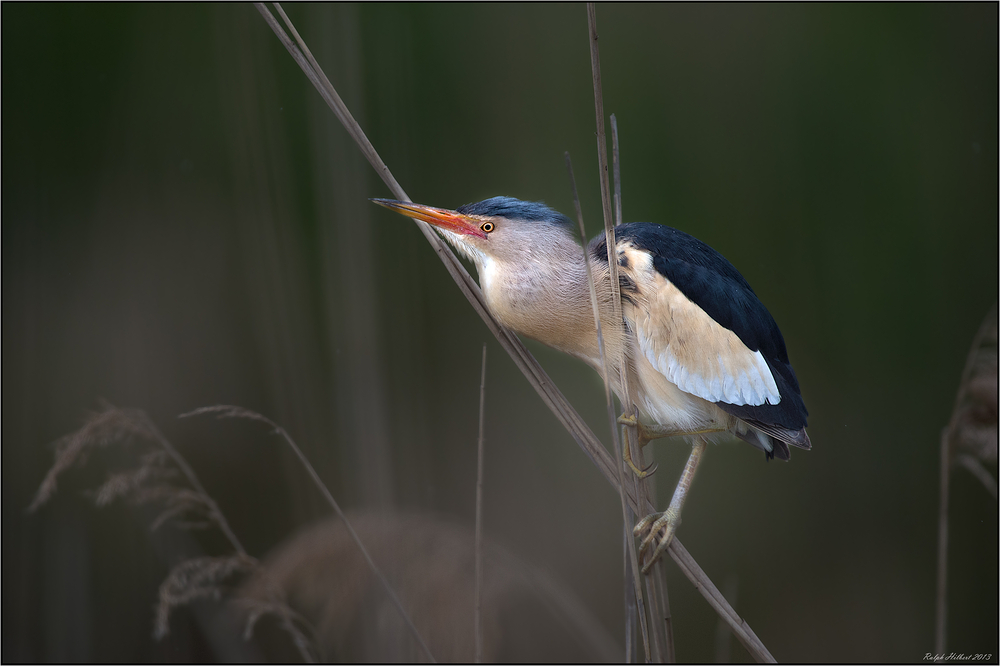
(706, 355)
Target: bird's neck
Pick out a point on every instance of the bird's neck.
(550, 301)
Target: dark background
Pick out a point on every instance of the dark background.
(185, 223)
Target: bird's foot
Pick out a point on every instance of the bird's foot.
(627, 420)
(641, 430)
(667, 522)
(640, 473)
(647, 433)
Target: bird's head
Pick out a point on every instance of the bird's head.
(530, 264)
(500, 229)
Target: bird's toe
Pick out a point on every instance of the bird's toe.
(652, 525)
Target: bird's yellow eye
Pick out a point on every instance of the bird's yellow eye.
(487, 227)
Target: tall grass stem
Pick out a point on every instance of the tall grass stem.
(613, 422)
(662, 648)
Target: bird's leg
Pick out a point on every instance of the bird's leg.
(669, 520)
(648, 433)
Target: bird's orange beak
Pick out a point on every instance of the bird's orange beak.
(445, 219)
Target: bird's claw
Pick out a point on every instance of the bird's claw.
(649, 470)
(633, 422)
(651, 525)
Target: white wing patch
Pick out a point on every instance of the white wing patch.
(691, 349)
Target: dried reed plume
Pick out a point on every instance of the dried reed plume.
(969, 441)
(161, 477)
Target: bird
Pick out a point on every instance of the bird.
(706, 358)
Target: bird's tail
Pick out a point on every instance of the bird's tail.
(774, 440)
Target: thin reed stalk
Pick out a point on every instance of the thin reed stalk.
(613, 422)
(631, 603)
(630, 432)
(231, 411)
(663, 647)
(659, 580)
(478, 612)
(723, 637)
(526, 363)
(656, 585)
(213, 508)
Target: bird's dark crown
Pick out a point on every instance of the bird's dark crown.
(515, 209)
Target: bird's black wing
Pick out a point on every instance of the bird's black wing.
(709, 281)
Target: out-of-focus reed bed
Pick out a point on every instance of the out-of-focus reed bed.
(318, 596)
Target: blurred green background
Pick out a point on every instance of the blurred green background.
(185, 223)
